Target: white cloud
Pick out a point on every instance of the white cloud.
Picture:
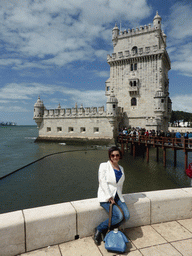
(101, 54)
(182, 102)
(5, 62)
(87, 98)
(102, 73)
(59, 32)
(182, 59)
(22, 96)
(179, 38)
(13, 109)
(181, 21)
(23, 91)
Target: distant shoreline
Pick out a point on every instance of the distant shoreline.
(18, 125)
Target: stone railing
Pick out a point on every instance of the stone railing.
(87, 111)
(30, 229)
(146, 51)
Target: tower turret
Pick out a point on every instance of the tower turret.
(160, 102)
(164, 38)
(115, 33)
(112, 112)
(112, 105)
(38, 112)
(157, 21)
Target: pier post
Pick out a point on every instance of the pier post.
(147, 154)
(134, 150)
(157, 154)
(122, 146)
(127, 144)
(175, 157)
(186, 159)
(164, 157)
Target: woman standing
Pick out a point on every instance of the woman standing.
(111, 178)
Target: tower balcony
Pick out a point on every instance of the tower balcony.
(133, 86)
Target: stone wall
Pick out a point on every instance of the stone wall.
(89, 127)
(30, 229)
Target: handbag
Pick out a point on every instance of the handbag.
(115, 240)
(189, 171)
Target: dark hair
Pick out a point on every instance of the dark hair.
(115, 149)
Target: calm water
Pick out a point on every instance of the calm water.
(72, 175)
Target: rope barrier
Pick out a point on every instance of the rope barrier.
(42, 159)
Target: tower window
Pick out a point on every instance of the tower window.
(96, 129)
(133, 102)
(133, 66)
(120, 54)
(48, 129)
(147, 49)
(59, 129)
(114, 106)
(70, 129)
(134, 50)
(140, 50)
(82, 129)
(126, 53)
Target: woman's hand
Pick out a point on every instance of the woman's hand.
(111, 200)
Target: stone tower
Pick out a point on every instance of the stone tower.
(139, 80)
(38, 112)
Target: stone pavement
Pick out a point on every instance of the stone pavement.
(165, 239)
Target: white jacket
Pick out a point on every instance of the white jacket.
(107, 183)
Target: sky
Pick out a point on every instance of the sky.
(57, 49)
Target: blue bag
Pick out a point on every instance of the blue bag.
(115, 241)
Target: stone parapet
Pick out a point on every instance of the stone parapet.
(12, 233)
(50, 224)
(74, 112)
(31, 229)
(150, 53)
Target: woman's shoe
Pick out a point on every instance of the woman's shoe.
(103, 234)
(97, 237)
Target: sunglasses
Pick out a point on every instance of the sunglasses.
(112, 155)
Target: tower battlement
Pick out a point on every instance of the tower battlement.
(75, 112)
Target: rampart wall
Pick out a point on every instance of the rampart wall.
(26, 230)
(83, 128)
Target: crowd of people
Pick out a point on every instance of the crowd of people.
(142, 131)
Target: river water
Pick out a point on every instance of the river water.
(71, 174)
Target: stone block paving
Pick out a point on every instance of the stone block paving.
(164, 239)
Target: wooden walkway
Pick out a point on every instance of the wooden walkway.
(157, 142)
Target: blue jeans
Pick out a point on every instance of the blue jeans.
(117, 216)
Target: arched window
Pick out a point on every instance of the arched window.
(134, 50)
(133, 102)
(131, 83)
